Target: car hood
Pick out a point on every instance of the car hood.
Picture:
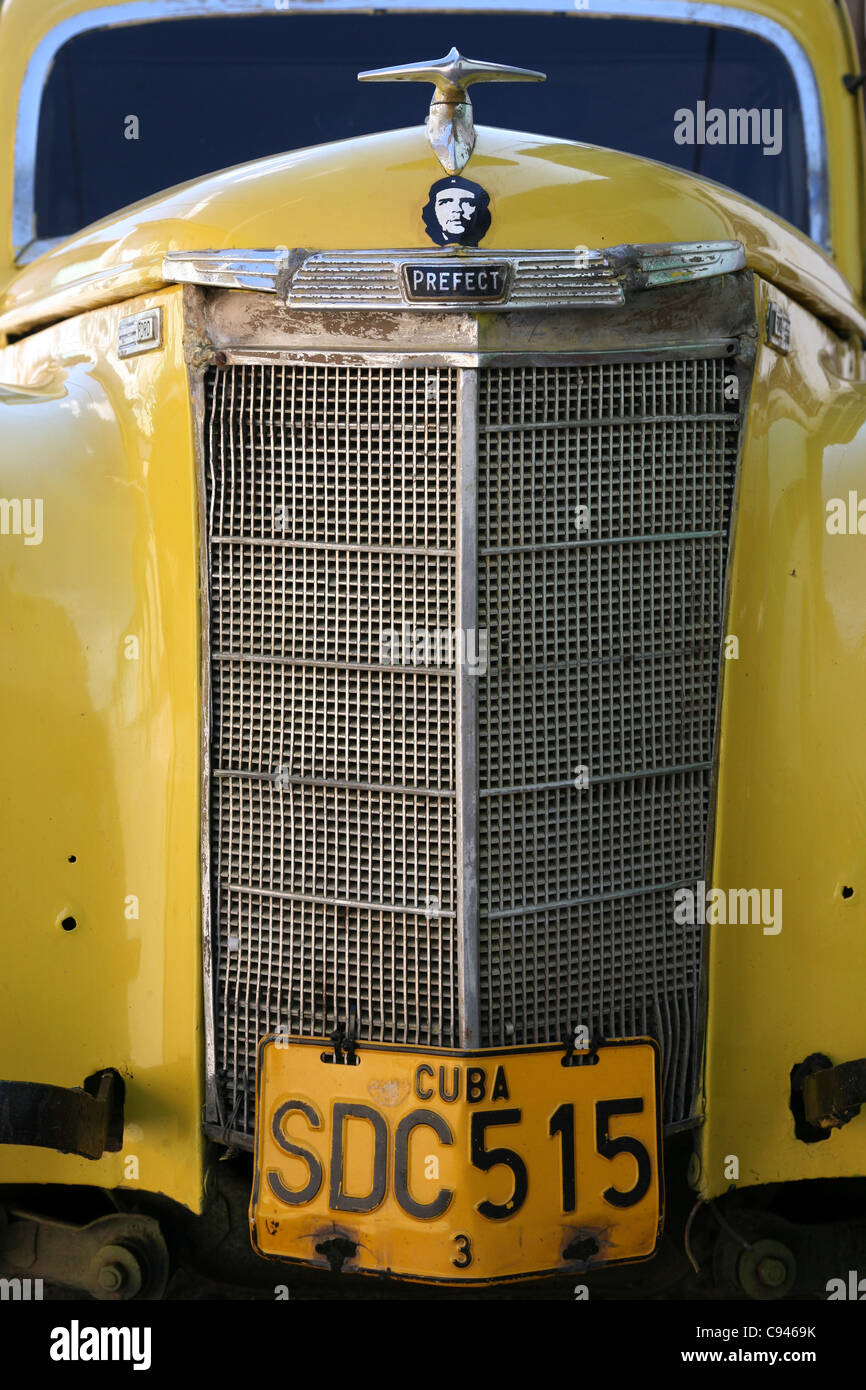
(368, 193)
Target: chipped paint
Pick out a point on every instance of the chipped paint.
(390, 1092)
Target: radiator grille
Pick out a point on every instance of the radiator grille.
(604, 496)
(604, 634)
(331, 524)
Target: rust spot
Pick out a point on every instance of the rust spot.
(389, 1092)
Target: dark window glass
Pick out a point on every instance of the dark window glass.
(209, 93)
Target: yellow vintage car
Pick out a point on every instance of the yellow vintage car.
(434, 646)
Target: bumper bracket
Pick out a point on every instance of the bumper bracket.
(85, 1120)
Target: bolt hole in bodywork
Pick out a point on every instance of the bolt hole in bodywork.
(73, 858)
(847, 892)
(69, 923)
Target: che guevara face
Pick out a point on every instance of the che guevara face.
(455, 211)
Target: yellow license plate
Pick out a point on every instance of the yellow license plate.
(463, 1167)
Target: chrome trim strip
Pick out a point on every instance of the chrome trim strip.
(671, 348)
(530, 909)
(404, 788)
(469, 1013)
(661, 264)
(606, 781)
(237, 270)
(588, 541)
(746, 365)
(376, 279)
(143, 11)
(34, 249)
(354, 904)
(195, 378)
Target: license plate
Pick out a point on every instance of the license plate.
(456, 1167)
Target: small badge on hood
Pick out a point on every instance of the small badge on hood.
(457, 212)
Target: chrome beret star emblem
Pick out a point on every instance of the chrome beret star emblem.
(450, 125)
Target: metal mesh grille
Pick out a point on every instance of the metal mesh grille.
(604, 635)
(332, 518)
(330, 494)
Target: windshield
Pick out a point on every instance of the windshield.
(131, 110)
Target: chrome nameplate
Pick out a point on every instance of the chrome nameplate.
(476, 282)
(139, 332)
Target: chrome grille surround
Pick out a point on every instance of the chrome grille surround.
(409, 838)
(582, 278)
(371, 279)
(334, 278)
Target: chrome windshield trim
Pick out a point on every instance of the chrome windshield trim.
(306, 279)
(143, 11)
(34, 249)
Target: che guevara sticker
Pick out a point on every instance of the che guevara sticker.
(457, 212)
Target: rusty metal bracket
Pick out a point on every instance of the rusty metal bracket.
(85, 1120)
(832, 1096)
(345, 1038)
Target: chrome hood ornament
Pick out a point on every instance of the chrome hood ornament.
(450, 125)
